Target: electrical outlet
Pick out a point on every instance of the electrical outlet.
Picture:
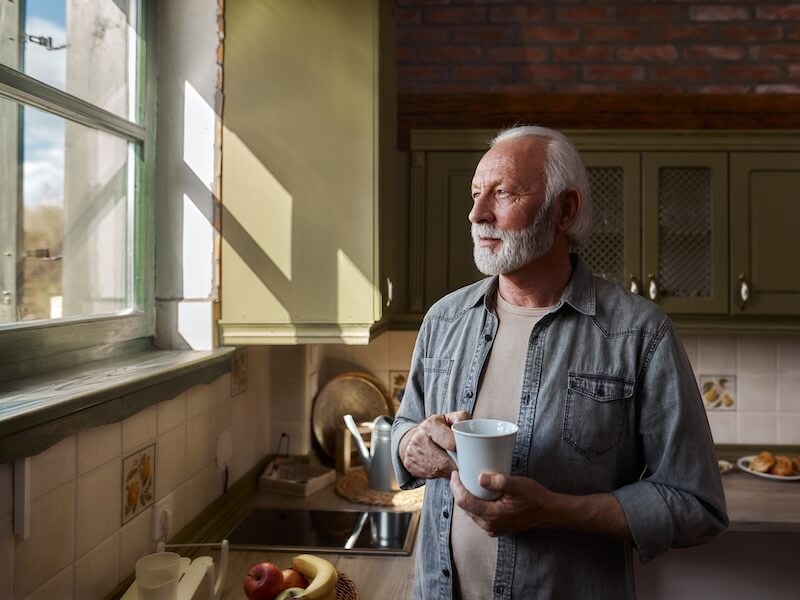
(163, 510)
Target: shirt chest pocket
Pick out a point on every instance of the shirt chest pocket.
(437, 377)
(595, 412)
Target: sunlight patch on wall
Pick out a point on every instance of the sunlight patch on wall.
(198, 245)
(354, 291)
(267, 215)
(198, 135)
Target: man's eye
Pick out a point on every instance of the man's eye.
(502, 194)
(475, 195)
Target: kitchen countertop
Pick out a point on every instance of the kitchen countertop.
(754, 504)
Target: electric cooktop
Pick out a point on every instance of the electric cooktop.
(338, 531)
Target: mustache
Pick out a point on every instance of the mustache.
(479, 230)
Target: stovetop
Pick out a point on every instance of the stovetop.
(338, 531)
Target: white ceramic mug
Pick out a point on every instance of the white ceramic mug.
(483, 445)
(157, 576)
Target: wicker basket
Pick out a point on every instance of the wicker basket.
(346, 589)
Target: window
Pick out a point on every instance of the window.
(75, 238)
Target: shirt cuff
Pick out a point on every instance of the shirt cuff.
(405, 480)
(648, 517)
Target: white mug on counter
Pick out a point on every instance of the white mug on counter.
(483, 445)
(157, 576)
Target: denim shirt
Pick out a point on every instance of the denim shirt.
(609, 403)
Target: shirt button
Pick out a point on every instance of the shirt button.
(469, 394)
(445, 572)
(446, 514)
(487, 337)
(498, 589)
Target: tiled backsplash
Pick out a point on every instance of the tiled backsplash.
(78, 545)
(766, 370)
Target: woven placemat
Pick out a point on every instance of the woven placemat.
(345, 588)
(353, 486)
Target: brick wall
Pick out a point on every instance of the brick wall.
(599, 46)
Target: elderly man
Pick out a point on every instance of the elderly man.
(614, 450)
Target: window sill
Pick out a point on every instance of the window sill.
(38, 411)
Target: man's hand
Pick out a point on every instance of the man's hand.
(527, 504)
(423, 449)
(520, 507)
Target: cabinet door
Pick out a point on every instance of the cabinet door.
(448, 244)
(685, 231)
(765, 214)
(614, 249)
(305, 156)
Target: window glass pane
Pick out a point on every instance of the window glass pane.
(83, 47)
(65, 227)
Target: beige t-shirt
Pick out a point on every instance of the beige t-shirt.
(474, 552)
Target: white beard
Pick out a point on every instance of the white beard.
(519, 247)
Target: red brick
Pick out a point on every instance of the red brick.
(612, 73)
(421, 73)
(666, 33)
(793, 32)
(719, 13)
(614, 33)
(651, 88)
(550, 33)
(648, 12)
(778, 88)
(518, 14)
(450, 53)
(548, 73)
(585, 13)
(794, 72)
(582, 53)
(714, 52)
(459, 87)
(519, 88)
(408, 16)
(662, 53)
(420, 35)
(512, 54)
(492, 73)
(775, 52)
(777, 12)
(585, 88)
(405, 54)
(722, 89)
(749, 73)
(681, 73)
(455, 15)
(487, 34)
(750, 33)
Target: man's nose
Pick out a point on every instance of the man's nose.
(481, 209)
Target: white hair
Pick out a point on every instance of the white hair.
(563, 170)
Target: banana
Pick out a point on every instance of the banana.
(289, 593)
(321, 575)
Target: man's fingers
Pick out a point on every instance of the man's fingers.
(492, 481)
(456, 416)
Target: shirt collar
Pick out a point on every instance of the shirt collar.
(579, 293)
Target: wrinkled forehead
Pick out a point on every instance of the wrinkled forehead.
(520, 159)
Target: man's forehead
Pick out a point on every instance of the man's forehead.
(516, 157)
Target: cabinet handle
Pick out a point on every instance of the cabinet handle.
(635, 286)
(744, 291)
(652, 289)
(389, 293)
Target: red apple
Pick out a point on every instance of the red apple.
(292, 578)
(263, 581)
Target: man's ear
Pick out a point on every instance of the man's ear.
(568, 207)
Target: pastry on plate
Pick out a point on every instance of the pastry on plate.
(763, 462)
(796, 463)
(783, 466)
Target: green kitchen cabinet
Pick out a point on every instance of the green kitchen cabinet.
(684, 218)
(309, 170)
(765, 220)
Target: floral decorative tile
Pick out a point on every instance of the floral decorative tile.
(138, 473)
(239, 372)
(718, 391)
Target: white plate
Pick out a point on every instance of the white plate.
(724, 467)
(744, 464)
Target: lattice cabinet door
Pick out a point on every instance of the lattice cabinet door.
(685, 231)
(614, 249)
(765, 215)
